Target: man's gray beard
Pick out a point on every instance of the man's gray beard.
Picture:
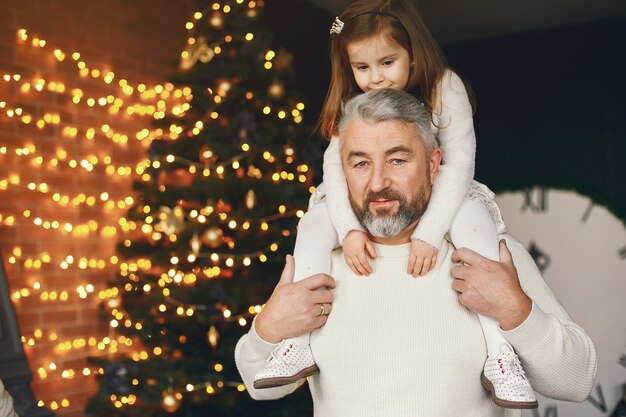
(388, 226)
(384, 225)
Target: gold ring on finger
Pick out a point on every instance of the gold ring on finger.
(322, 308)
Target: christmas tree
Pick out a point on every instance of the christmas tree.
(217, 205)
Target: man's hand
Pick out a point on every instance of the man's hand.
(422, 258)
(356, 248)
(294, 308)
(490, 288)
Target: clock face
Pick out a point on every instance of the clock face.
(581, 249)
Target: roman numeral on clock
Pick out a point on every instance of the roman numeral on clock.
(541, 258)
(587, 212)
(535, 199)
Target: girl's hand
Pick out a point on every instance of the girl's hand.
(422, 258)
(356, 247)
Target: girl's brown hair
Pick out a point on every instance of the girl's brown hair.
(402, 24)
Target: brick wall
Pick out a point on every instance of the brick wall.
(137, 41)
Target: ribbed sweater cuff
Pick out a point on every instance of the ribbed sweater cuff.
(531, 334)
(432, 236)
(258, 345)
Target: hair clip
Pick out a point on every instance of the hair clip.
(337, 26)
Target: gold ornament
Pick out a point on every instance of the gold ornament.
(198, 51)
(212, 237)
(195, 244)
(170, 400)
(276, 90)
(283, 60)
(205, 54)
(216, 21)
(213, 337)
(170, 220)
(250, 199)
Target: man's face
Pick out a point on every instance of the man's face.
(389, 176)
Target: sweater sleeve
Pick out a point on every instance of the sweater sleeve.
(251, 353)
(341, 214)
(558, 356)
(452, 116)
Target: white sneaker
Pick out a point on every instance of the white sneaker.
(504, 377)
(288, 363)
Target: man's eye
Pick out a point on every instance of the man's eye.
(360, 164)
(397, 161)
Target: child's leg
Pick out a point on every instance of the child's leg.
(315, 242)
(292, 359)
(503, 376)
(473, 228)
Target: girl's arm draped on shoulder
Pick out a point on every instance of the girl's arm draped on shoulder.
(341, 214)
(452, 116)
(557, 354)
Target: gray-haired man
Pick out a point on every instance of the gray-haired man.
(397, 346)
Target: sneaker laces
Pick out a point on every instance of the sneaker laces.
(512, 363)
(279, 352)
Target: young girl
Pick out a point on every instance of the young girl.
(384, 44)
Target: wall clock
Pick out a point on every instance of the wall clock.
(581, 249)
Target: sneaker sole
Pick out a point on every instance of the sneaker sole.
(504, 403)
(285, 380)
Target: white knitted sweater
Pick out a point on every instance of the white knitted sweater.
(454, 128)
(403, 347)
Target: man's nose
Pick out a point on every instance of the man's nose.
(380, 179)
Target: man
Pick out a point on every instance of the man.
(397, 346)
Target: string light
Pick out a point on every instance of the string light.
(105, 76)
(87, 163)
(52, 119)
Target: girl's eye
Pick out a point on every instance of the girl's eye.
(388, 62)
(361, 67)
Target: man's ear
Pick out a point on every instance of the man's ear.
(435, 163)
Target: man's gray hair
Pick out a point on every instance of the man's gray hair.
(376, 106)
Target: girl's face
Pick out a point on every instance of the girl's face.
(377, 63)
